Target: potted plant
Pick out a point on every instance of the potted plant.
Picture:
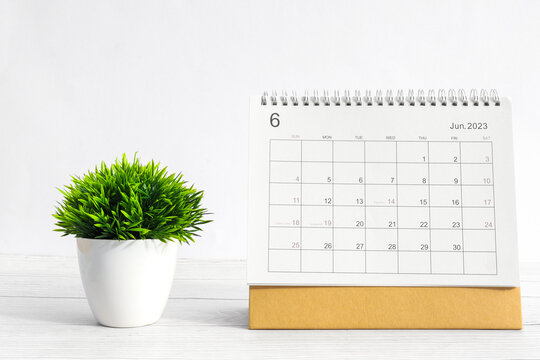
(128, 219)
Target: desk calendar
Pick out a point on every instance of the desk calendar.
(382, 191)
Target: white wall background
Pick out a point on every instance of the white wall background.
(82, 81)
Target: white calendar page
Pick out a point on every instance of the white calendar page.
(381, 195)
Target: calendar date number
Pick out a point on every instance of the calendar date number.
(274, 120)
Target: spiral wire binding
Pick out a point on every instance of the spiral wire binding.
(358, 98)
(389, 98)
(368, 99)
(442, 97)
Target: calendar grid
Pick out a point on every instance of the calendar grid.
(367, 195)
(333, 203)
(269, 200)
(365, 208)
(352, 250)
(387, 141)
(372, 162)
(409, 184)
(461, 206)
(494, 212)
(396, 205)
(369, 228)
(429, 212)
(372, 272)
(301, 202)
(379, 206)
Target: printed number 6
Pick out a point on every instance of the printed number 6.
(274, 120)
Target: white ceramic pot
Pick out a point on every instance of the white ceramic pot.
(127, 282)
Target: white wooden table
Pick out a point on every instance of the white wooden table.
(44, 314)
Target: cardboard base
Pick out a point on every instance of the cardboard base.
(321, 307)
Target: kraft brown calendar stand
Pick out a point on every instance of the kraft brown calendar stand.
(341, 307)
